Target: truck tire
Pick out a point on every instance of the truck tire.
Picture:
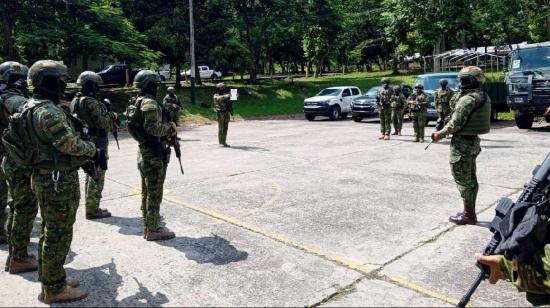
(310, 117)
(524, 120)
(494, 115)
(162, 78)
(357, 119)
(334, 112)
(214, 77)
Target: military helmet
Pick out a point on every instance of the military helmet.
(12, 71)
(171, 90)
(43, 68)
(397, 88)
(471, 76)
(144, 78)
(89, 76)
(221, 86)
(385, 80)
(419, 86)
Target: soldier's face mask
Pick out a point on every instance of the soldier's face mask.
(468, 82)
(385, 85)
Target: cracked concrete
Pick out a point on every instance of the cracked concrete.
(296, 213)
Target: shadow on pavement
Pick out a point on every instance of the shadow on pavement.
(208, 249)
(103, 282)
(249, 148)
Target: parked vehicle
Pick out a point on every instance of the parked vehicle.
(116, 74)
(206, 73)
(365, 106)
(164, 74)
(431, 84)
(528, 82)
(333, 102)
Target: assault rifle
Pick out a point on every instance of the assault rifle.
(519, 229)
(116, 122)
(174, 141)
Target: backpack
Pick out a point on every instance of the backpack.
(135, 120)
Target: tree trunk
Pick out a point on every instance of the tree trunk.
(178, 75)
(8, 25)
(548, 28)
(395, 68)
(439, 48)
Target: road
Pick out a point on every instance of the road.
(296, 213)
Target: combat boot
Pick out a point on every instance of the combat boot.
(395, 133)
(69, 294)
(27, 264)
(421, 140)
(387, 137)
(160, 234)
(381, 137)
(468, 217)
(416, 140)
(225, 145)
(399, 132)
(98, 214)
(71, 282)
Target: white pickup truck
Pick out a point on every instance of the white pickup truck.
(332, 102)
(206, 73)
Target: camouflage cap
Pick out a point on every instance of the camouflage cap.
(418, 86)
(88, 76)
(43, 68)
(144, 77)
(221, 86)
(10, 68)
(385, 80)
(473, 71)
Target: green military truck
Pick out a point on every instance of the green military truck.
(528, 82)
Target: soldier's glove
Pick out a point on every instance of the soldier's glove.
(100, 159)
(90, 169)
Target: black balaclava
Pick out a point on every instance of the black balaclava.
(90, 88)
(150, 88)
(51, 88)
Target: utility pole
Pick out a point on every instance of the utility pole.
(192, 52)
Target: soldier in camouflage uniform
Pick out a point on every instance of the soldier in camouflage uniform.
(418, 102)
(3, 185)
(383, 99)
(442, 97)
(471, 117)
(88, 108)
(223, 114)
(398, 103)
(22, 203)
(172, 104)
(152, 132)
(54, 178)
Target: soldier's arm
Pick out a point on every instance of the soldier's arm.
(63, 137)
(422, 100)
(152, 123)
(462, 111)
(533, 277)
(99, 113)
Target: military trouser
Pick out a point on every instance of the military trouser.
(419, 123)
(93, 189)
(397, 119)
(153, 173)
(58, 211)
(3, 202)
(464, 151)
(223, 125)
(24, 208)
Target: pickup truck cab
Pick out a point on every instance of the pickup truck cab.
(334, 103)
(116, 74)
(206, 73)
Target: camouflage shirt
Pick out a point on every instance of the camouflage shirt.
(398, 101)
(442, 99)
(154, 123)
(220, 102)
(418, 103)
(13, 102)
(93, 112)
(53, 128)
(172, 102)
(384, 97)
(464, 106)
(533, 277)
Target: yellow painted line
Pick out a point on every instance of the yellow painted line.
(311, 250)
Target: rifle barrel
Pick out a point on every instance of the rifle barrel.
(466, 298)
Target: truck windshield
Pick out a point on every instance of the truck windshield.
(329, 92)
(531, 59)
(431, 83)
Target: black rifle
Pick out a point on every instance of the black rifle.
(174, 141)
(115, 124)
(533, 197)
(90, 167)
(228, 106)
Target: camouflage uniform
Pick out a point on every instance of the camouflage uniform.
(384, 99)
(153, 159)
(173, 105)
(4, 216)
(99, 120)
(470, 118)
(530, 277)
(418, 114)
(22, 201)
(223, 116)
(442, 103)
(398, 102)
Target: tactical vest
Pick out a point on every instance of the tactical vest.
(479, 121)
(136, 121)
(78, 107)
(23, 143)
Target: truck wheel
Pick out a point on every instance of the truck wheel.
(334, 113)
(357, 119)
(162, 78)
(310, 117)
(524, 120)
(344, 115)
(214, 77)
(494, 115)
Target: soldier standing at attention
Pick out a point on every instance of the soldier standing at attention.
(442, 97)
(172, 104)
(223, 107)
(384, 109)
(3, 185)
(54, 178)
(398, 103)
(418, 102)
(95, 114)
(471, 117)
(152, 131)
(22, 202)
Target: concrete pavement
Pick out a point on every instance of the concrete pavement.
(295, 213)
